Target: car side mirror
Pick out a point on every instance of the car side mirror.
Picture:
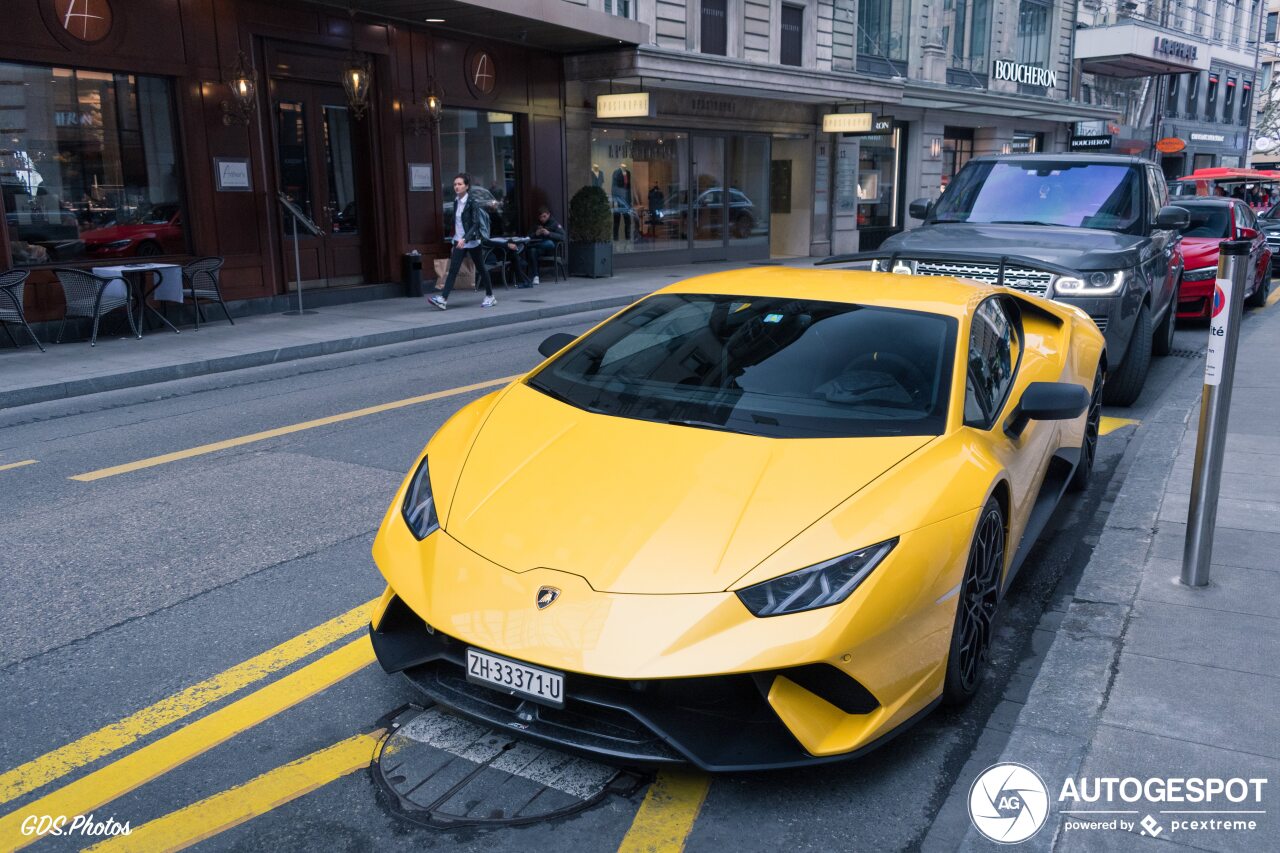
(919, 209)
(1173, 218)
(1246, 233)
(555, 343)
(1047, 401)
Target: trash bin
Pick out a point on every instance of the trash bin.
(411, 272)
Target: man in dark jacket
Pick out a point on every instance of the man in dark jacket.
(470, 230)
(542, 241)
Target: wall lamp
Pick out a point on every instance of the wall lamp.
(433, 106)
(244, 89)
(935, 148)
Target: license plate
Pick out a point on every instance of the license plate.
(515, 678)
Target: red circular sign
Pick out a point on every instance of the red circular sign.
(482, 73)
(1219, 300)
(86, 20)
(1170, 145)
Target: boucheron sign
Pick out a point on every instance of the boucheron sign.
(1030, 75)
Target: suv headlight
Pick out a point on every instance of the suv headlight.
(899, 266)
(816, 586)
(1202, 274)
(419, 508)
(1090, 284)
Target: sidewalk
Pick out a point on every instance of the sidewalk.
(73, 369)
(1149, 679)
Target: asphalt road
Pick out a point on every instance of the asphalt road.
(122, 592)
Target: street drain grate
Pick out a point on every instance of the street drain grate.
(533, 300)
(445, 772)
(1187, 353)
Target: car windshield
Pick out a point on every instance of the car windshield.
(1086, 195)
(776, 367)
(1207, 221)
(1273, 213)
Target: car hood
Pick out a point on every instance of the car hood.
(1200, 252)
(639, 507)
(1072, 248)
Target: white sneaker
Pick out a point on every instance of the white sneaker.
(439, 302)
(489, 302)
(536, 281)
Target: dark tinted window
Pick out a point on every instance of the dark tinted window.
(784, 368)
(715, 32)
(1088, 195)
(791, 47)
(992, 358)
(1208, 221)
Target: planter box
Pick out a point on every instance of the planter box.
(591, 260)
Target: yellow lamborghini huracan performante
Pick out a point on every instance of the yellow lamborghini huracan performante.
(758, 519)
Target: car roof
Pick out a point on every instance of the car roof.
(1101, 159)
(1206, 200)
(943, 295)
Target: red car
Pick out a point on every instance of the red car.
(157, 232)
(1212, 221)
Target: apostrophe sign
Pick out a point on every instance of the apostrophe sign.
(1170, 145)
(623, 106)
(847, 122)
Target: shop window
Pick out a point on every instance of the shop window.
(1033, 37)
(1172, 87)
(1229, 102)
(715, 30)
(89, 166)
(1211, 98)
(878, 183)
(966, 29)
(485, 146)
(748, 200)
(791, 48)
(882, 36)
(646, 175)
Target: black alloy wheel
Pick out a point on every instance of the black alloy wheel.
(1089, 449)
(148, 249)
(976, 609)
(1258, 299)
(1162, 342)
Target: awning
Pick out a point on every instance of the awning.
(1138, 49)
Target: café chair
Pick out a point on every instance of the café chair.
(559, 260)
(200, 279)
(87, 296)
(11, 284)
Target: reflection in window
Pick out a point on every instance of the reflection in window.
(89, 166)
(966, 29)
(484, 145)
(1033, 36)
(645, 173)
(877, 181)
(882, 36)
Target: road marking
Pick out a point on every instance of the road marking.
(234, 806)
(285, 430)
(106, 740)
(1273, 298)
(155, 759)
(667, 814)
(1110, 425)
(21, 464)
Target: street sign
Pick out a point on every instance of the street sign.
(1170, 145)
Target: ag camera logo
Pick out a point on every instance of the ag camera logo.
(1008, 803)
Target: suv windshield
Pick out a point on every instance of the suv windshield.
(1085, 195)
(1207, 221)
(783, 368)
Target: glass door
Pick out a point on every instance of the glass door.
(316, 169)
(708, 197)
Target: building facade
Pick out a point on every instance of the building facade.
(1266, 111)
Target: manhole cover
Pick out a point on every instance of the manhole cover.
(444, 771)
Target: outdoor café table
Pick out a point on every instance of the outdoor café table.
(512, 256)
(166, 286)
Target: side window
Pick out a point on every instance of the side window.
(1245, 217)
(994, 341)
(1157, 194)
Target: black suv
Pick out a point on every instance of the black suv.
(1094, 231)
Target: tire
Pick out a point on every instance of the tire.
(1089, 449)
(1126, 382)
(976, 608)
(1258, 299)
(148, 249)
(742, 227)
(1162, 341)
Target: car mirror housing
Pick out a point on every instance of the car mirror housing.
(555, 343)
(919, 209)
(1175, 218)
(1047, 401)
(1246, 233)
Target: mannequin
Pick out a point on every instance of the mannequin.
(622, 201)
(597, 176)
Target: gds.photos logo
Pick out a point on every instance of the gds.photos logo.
(1008, 803)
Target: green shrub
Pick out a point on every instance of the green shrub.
(589, 216)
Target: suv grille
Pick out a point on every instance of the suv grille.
(1031, 281)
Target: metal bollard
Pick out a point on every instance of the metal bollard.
(1215, 404)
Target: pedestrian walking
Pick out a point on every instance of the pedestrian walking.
(470, 230)
(543, 239)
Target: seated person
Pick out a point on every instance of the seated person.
(542, 240)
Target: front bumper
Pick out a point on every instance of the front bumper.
(1195, 298)
(1114, 316)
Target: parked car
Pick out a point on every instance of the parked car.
(762, 518)
(158, 231)
(1092, 231)
(1212, 221)
(709, 216)
(1269, 224)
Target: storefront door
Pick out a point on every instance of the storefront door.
(316, 168)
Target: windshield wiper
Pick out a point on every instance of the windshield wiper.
(689, 422)
(556, 395)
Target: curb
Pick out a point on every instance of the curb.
(151, 376)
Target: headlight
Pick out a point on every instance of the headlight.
(1202, 274)
(900, 267)
(1090, 284)
(116, 244)
(419, 508)
(817, 586)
